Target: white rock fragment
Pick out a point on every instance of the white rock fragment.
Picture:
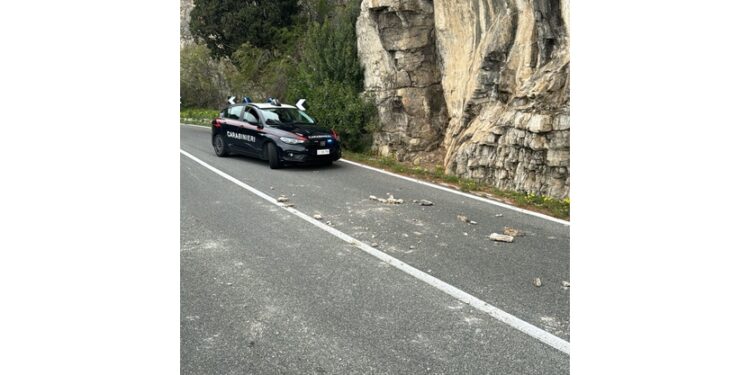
(501, 237)
(282, 199)
(329, 223)
(472, 222)
(412, 247)
(466, 234)
(372, 197)
(537, 282)
(462, 218)
(499, 215)
(318, 217)
(425, 202)
(374, 244)
(566, 284)
(392, 200)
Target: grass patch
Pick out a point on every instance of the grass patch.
(198, 116)
(559, 208)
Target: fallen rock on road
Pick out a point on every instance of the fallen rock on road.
(501, 237)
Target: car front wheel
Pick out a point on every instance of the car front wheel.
(273, 156)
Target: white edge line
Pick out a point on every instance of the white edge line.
(197, 126)
(472, 196)
(460, 295)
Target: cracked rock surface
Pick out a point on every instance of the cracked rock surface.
(481, 87)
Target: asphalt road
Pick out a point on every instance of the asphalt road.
(263, 291)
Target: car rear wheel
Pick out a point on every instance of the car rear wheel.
(273, 156)
(220, 147)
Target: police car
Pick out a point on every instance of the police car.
(280, 133)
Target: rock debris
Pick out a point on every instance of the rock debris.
(501, 237)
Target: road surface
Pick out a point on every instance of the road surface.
(264, 290)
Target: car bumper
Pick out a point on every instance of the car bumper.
(308, 156)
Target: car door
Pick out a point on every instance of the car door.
(252, 131)
(234, 125)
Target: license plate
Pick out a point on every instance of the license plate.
(324, 151)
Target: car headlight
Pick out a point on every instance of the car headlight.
(292, 141)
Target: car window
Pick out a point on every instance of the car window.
(248, 115)
(223, 113)
(234, 112)
(287, 115)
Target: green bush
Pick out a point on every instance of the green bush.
(204, 81)
(329, 76)
(198, 116)
(339, 106)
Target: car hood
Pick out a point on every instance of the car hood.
(308, 130)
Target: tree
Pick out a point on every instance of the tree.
(225, 25)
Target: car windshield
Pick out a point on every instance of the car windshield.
(287, 116)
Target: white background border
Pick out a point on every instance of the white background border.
(90, 205)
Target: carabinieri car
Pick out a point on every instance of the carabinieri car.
(279, 133)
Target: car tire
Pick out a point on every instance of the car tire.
(220, 146)
(273, 156)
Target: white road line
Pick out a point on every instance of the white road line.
(443, 188)
(197, 126)
(460, 295)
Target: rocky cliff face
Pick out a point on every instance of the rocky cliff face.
(481, 84)
(396, 43)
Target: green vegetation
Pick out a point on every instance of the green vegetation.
(198, 116)
(330, 77)
(284, 49)
(225, 25)
(559, 208)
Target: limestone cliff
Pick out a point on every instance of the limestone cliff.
(396, 43)
(482, 84)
